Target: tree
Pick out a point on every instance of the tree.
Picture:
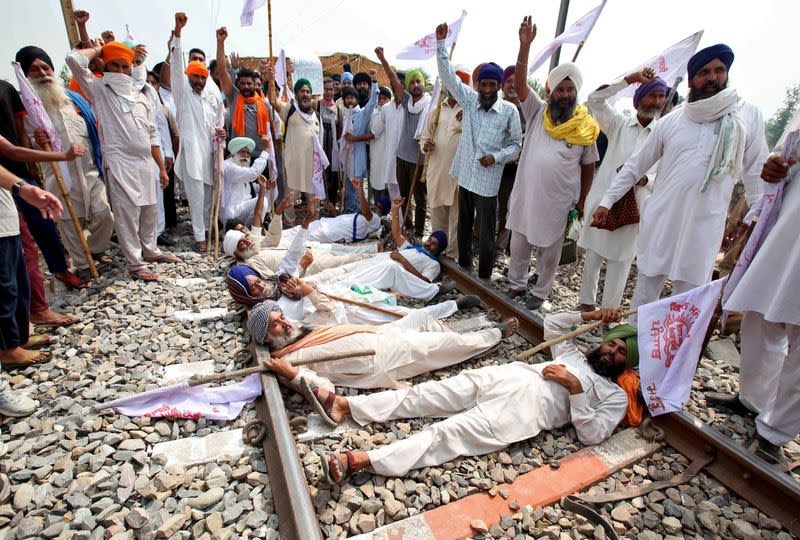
(777, 124)
(65, 75)
(536, 86)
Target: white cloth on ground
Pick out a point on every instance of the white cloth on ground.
(340, 228)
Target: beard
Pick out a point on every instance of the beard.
(648, 114)
(251, 250)
(304, 105)
(562, 110)
(241, 161)
(706, 91)
(298, 330)
(247, 92)
(51, 91)
(603, 364)
(487, 100)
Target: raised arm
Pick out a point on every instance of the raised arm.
(605, 114)
(178, 82)
(397, 87)
(225, 81)
(458, 89)
(78, 63)
(81, 17)
(527, 33)
(397, 222)
(366, 211)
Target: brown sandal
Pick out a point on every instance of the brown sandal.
(144, 274)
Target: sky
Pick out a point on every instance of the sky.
(628, 32)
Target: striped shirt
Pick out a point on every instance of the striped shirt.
(496, 132)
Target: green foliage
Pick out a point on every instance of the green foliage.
(537, 87)
(65, 75)
(777, 124)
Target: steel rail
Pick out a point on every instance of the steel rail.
(763, 485)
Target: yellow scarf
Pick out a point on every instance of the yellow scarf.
(581, 129)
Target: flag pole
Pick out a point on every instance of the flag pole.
(561, 24)
(72, 215)
(435, 126)
(578, 50)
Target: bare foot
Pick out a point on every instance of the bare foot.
(49, 317)
(18, 357)
(508, 327)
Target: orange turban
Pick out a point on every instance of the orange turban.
(463, 75)
(196, 67)
(475, 74)
(117, 51)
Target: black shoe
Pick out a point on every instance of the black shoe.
(164, 240)
(534, 303)
(533, 279)
(445, 287)
(468, 301)
(732, 403)
(767, 451)
(513, 294)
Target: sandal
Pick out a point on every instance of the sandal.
(322, 409)
(346, 472)
(200, 247)
(163, 258)
(32, 358)
(144, 274)
(101, 259)
(39, 340)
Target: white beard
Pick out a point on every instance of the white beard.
(250, 251)
(279, 342)
(51, 91)
(241, 161)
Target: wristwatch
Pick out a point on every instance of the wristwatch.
(17, 187)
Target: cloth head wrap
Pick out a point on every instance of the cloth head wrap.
(704, 56)
(231, 242)
(117, 51)
(441, 237)
(475, 73)
(568, 70)
(462, 73)
(385, 205)
(28, 55)
(491, 71)
(239, 272)
(238, 143)
(414, 74)
(361, 77)
(628, 333)
(508, 72)
(349, 91)
(346, 76)
(196, 67)
(301, 83)
(258, 320)
(656, 85)
(385, 92)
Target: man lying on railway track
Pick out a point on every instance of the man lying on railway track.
(489, 408)
(416, 344)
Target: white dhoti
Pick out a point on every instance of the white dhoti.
(136, 231)
(243, 211)
(100, 225)
(648, 289)
(770, 376)
(546, 264)
(616, 278)
(378, 272)
(198, 194)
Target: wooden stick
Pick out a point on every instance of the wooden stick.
(670, 95)
(364, 305)
(345, 175)
(198, 380)
(578, 50)
(577, 332)
(75, 223)
(218, 202)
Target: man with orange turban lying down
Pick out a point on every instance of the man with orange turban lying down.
(129, 140)
(200, 120)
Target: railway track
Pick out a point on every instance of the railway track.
(764, 486)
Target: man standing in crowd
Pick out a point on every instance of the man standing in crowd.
(329, 117)
(410, 161)
(624, 133)
(377, 147)
(703, 149)
(510, 170)
(554, 175)
(130, 142)
(491, 137)
(355, 128)
(74, 123)
(200, 120)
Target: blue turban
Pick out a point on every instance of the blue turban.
(703, 57)
(656, 85)
(491, 71)
(346, 77)
(385, 205)
(239, 272)
(441, 237)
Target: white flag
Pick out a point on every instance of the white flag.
(38, 116)
(280, 72)
(423, 117)
(669, 64)
(425, 47)
(671, 333)
(576, 33)
(129, 34)
(250, 6)
(182, 401)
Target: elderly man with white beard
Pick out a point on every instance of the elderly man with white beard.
(703, 149)
(238, 176)
(74, 122)
(416, 344)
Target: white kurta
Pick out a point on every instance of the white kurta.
(442, 188)
(127, 132)
(624, 134)
(548, 181)
(377, 149)
(198, 115)
(236, 182)
(393, 120)
(341, 228)
(681, 229)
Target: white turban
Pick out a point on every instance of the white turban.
(231, 241)
(564, 71)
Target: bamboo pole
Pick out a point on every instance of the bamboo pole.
(345, 175)
(578, 50)
(364, 305)
(72, 215)
(218, 200)
(577, 332)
